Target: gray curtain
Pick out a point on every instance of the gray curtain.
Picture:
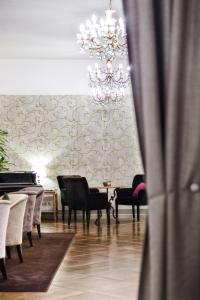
(164, 50)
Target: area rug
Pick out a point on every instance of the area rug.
(40, 264)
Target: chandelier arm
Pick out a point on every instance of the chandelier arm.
(99, 83)
(121, 45)
(97, 80)
(121, 81)
(104, 99)
(96, 47)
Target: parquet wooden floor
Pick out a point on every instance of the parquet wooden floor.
(102, 263)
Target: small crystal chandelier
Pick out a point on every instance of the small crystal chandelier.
(108, 83)
(105, 40)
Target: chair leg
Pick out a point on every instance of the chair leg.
(116, 210)
(39, 231)
(98, 221)
(63, 213)
(133, 211)
(19, 252)
(108, 215)
(88, 217)
(3, 268)
(83, 216)
(69, 217)
(138, 213)
(29, 235)
(75, 216)
(8, 252)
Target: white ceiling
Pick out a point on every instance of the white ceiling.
(45, 29)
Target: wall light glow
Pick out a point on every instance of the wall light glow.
(39, 166)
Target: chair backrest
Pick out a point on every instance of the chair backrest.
(15, 222)
(30, 207)
(77, 191)
(61, 182)
(39, 190)
(4, 214)
(138, 179)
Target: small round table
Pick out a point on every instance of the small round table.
(107, 188)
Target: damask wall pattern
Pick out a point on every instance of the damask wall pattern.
(71, 135)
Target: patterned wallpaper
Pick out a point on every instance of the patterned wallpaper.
(70, 135)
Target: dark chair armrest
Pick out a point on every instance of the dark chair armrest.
(94, 190)
(98, 196)
(98, 201)
(142, 198)
(123, 192)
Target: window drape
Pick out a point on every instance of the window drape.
(164, 52)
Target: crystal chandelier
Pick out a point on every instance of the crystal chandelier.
(108, 82)
(105, 40)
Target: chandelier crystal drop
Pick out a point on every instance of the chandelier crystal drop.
(105, 39)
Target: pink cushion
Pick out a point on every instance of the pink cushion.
(139, 187)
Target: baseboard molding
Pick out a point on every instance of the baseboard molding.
(122, 211)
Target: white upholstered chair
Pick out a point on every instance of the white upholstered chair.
(4, 214)
(15, 223)
(39, 190)
(29, 212)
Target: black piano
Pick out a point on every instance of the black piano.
(16, 180)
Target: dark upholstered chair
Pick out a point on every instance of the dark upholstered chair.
(63, 194)
(80, 197)
(124, 196)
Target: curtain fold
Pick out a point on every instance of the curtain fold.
(164, 52)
